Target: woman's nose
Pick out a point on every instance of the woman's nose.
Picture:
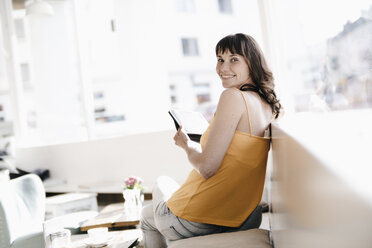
(225, 67)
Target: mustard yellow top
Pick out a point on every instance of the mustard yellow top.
(228, 197)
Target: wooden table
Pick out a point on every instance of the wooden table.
(112, 215)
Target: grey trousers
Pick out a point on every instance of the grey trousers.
(161, 227)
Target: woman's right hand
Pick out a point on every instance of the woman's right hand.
(181, 139)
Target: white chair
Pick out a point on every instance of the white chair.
(22, 210)
(22, 214)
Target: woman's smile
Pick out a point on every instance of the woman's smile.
(232, 69)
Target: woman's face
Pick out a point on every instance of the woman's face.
(232, 69)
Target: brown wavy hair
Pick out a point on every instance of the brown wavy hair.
(261, 75)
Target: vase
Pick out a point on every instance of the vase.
(132, 202)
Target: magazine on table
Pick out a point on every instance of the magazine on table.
(193, 123)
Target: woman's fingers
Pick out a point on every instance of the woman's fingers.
(179, 130)
(180, 138)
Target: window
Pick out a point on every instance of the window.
(76, 91)
(25, 74)
(225, 6)
(102, 111)
(202, 98)
(2, 118)
(19, 28)
(202, 91)
(190, 47)
(328, 62)
(187, 6)
(172, 89)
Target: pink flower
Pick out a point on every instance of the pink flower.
(133, 182)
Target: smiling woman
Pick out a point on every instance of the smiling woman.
(233, 146)
(233, 70)
(242, 54)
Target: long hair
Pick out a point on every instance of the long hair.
(261, 75)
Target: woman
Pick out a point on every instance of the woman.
(223, 191)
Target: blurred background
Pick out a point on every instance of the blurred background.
(91, 68)
(86, 85)
(100, 75)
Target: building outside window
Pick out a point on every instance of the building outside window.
(202, 91)
(190, 47)
(85, 90)
(186, 6)
(324, 70)
(225, 6)
(172, 89)
(328, 62)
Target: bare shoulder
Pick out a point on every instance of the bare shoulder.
(258, 107)
(251, 95)
(231, 95)
(231, 101)
(253, 99)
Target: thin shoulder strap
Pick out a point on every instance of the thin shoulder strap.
(249, 117)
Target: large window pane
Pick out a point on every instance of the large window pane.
(225, 6)
(329, 53)
(190, 47)
(186, 6)
(109, 68)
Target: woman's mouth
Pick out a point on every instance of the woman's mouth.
(227, 76)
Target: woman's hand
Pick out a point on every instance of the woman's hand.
(181, 139)
(208, 160)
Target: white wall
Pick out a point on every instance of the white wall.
(110, 160)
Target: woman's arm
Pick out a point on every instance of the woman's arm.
(229, 111)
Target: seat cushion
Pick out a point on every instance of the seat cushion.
(253, 238)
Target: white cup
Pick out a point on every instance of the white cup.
(98, 235)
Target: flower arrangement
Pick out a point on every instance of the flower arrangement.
(133, 182)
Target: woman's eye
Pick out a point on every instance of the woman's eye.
(234, 59)
(220, 60)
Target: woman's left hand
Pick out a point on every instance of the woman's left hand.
(181, 139)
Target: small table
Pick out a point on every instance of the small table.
(118, 239)
(112, 216)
